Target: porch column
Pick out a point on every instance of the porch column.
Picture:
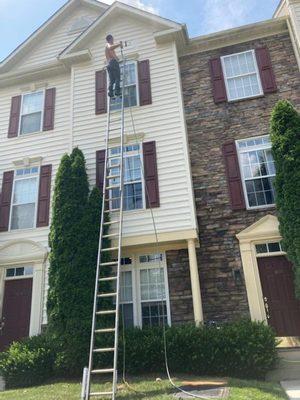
(195, 282)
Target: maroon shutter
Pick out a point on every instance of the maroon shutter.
(144, 82)
(100, 166)
(233, 176)
(44, 196)
(101, 92)
(49, 109)
(266, 70)
(7, 185)
(14, 119)
(217, 78)
(151, 176)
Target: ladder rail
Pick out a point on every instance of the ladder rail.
(101, 231)
(117, 317)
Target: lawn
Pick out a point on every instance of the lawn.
(145, 388)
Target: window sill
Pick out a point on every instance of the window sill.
(26, 229)
(22, 136)
(246, 98)
(262, 208)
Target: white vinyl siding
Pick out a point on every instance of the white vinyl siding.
(32, 109)
(24, 199)
(241, 75)
(258, 171)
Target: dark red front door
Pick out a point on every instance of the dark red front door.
(16, 311)
(277, 279)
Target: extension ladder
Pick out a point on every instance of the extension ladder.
(112, 180)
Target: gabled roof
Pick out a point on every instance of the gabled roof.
(267, 226)
(46, 27)
(162, 24)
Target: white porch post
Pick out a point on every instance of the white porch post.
(195, 282)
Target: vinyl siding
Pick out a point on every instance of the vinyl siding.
(48, 48)
(160, 121)
(50, 145)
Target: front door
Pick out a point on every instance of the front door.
(282, 307)
(16, 311)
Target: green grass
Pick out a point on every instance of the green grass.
(145, 388)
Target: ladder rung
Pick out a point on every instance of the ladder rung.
(110, 249)
(106, 312)
(113, 176)
(112, 210)
(113, 187)
(107, 264)
(114, 156)
(114, 166)
(113, 199)
(102, 371)
(106, 330)
(102, 295)
(104, 350)
(110, 278)
(96, 394)
(110, 235)
(110, 222)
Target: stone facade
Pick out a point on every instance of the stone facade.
(180, 292)
(211, 125)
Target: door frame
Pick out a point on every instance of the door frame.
(14, 254)
(265, 230)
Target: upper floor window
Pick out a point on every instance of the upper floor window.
(130, 86)
(31, 112)
(133, 186)
(24, 198)
(241, 75)
(258, 171)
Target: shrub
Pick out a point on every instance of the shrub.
(28, 363)
(243, 349)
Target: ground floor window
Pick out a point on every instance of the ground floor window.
(144, 294)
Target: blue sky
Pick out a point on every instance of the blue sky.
(19, 18)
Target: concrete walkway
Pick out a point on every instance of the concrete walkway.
(2, 384)
(292, 389)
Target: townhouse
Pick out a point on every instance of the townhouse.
(196, 133)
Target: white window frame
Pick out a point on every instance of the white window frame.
(261, 92)
(135, 269)
(269, 253)
(136, 85)
(246, 150)
(24, 276)
(42, 112)
(37, 175)
(142, 181)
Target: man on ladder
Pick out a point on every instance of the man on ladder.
(113, 66)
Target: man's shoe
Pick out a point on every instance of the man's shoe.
(110, 94)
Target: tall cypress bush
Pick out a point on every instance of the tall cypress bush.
(285, 136)
(74, 239)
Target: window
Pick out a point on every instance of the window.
(144, 293)
(258, 171)
(241, 75)
(19, 271)
(133, 187)
(31, 112)
(24, 199)
(130, 89)
(273, 247)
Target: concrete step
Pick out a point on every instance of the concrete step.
(288, 367)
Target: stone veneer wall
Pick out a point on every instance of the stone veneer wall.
(209, 126)
(181, 301)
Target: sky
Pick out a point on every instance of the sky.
(19, 18)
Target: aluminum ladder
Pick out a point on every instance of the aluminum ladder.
(111, 181)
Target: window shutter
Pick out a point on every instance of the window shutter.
(151, 176)
(49, 109)
(266, 70)
(7, 185)
(144, 82)
(217, 79)
(233, 176)
(14, 119)
(101, 92)
(100, 166)
(44, 196)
